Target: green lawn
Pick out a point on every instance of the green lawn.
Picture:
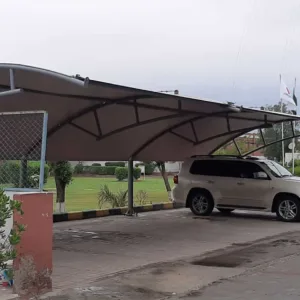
(81, 194)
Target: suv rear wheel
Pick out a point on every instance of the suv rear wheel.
(201, 203)
(288, 209)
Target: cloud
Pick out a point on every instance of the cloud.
(232, 49)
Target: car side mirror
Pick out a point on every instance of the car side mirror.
(261, 175)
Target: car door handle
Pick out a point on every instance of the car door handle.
(210, 182)
(240, 183)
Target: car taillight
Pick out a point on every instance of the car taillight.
(175, 179)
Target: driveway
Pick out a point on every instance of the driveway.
(88, 251)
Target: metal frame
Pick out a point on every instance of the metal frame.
(43, 152)
(262, 136)
(57, 75)
(244, 131)
(237, 147)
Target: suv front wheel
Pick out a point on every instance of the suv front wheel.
(201, 203)
(288, 209)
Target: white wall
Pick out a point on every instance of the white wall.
(288, 157)
(171, 167)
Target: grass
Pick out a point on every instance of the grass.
(82, 193)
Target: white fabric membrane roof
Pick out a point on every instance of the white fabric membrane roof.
(92, 120)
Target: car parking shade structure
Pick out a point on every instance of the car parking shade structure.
(90, 120)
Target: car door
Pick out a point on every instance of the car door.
(251, 190)
(227, 183)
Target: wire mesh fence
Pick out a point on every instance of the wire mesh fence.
(22, 150)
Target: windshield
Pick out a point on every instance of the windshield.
(276, 169)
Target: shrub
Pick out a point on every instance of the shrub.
(297, 171)
(136, 173)
(10, 174)
(297, 162)
(121, 173)
(118, 199)
(142, 197)
(115, 164)
(96, 164)
(149, 167)
(8, 243)
(78, 169)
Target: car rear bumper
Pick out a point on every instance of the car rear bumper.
(177, 195)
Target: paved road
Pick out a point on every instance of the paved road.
(273, 281)
(267, 269)
(86, 252)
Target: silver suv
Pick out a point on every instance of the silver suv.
(230, 183)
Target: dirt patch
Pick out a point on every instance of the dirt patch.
(223, 262)
(248, 255)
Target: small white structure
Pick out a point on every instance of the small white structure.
(288, 157)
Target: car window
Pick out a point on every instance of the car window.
(276, 169)
(249, 170)
(225, 168)
(204, 167)
(240, 169)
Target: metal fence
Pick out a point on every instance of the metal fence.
(22, 150)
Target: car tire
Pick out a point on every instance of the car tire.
(225, 211)
(201, 203)
(288, 209)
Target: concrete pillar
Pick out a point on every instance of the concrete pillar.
(33, 265)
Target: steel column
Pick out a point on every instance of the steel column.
(130, 210)
(12, 79)
(43, 151)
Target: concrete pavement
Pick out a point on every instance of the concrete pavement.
(88, 251)
(169, 255)
(276, 280)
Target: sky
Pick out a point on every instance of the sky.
(231, 50)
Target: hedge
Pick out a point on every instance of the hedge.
(10, 173)
(122, 173)
(78, 169)
(115, 164)
(97, 170)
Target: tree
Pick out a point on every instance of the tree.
(162, 169)
(274, 151)
(62, 171)
(230, 148)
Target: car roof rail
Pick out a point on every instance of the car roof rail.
(211, 155)
(252, 158)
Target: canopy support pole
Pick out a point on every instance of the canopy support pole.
(130, 210)
(23, 173)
